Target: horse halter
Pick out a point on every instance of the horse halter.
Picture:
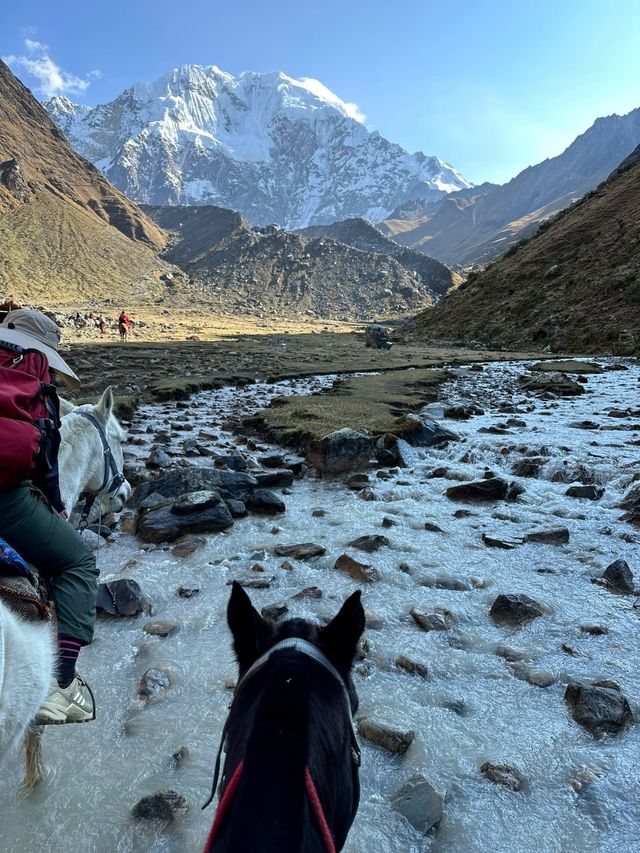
(112, 478)
(310, 650)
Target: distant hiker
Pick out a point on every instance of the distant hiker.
(30, 502)
(123, 325)
(101, 325)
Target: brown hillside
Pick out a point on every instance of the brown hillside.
(65, 233)
(574, 286)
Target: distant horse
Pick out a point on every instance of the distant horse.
(123, 329)
(28, 649)
(290, 781)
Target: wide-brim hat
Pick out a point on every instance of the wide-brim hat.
(34, 330)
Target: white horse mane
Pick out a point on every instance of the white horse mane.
(27, 649)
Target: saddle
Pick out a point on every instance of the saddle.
(21, 588)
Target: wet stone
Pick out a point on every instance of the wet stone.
(619, 577)
(264, 502)
(340, 451)
(180, 756)
(160, 628)
(159, 458)
(529, 467)
(594, 630)
(495, 542)
(164, 525)
(600, 710)
(165, 805)
(312, 592)
(393, 740)
(274, 612)
(411, 666)
(388, 522)
(154, 683)
(589, 493)
(552, 536)
(255, 582)
(434, 620)
(489, 489)
(369, 544)
(360, 572)
(503, 774)
(303, 551)
(187, 545)
(188, 591)
(121, 597)
(274, 478)
(420, 804)
(431, 527)
(196, 501)
(515, 610)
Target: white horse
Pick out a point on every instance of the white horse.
(28, 649)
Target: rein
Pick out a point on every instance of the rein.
(112, 478)
(310, 650)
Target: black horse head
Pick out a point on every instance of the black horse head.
(290, 779)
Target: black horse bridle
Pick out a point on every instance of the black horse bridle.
(316, 654)
(112, 478)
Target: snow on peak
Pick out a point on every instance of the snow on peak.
(275, 148)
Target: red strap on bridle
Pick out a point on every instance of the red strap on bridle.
(223, 805)
(318, 811)
(314, 799)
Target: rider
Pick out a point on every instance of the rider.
(124, 320)
(31, 510)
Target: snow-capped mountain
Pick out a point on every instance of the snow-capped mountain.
(274, 148)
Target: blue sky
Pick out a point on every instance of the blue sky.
(491, 86)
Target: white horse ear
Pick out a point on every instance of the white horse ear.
(105, 406)
(65, 407)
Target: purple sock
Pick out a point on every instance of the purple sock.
(68, 651)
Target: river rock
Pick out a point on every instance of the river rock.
(412, 666)
(495, 542)
(590, 493)
(165, 525)
(419, 803)
(340, 451)
(187, 545)
(600, 710)
(121, 597)
(264, 502)
(165, 805)
(555, 383)
(552, 536)
(237, 508)
(274, 612)
(159, 458)
(490, 489)
(376, 337)
(360, 572)
(503, 774)
(196, 501)
(428, 433)
(515, 609)
(618, 577)
(154, 683)
(393, 740)
(188, 591)
(303, 551)
(594, 630)
(529, 466)
(230, 484)
(231, 461)
(369, 543)
(276, 477)
(631, 503)
(160, 628)
(439, 619)
(357, 481)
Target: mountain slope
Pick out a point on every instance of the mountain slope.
(274, 148)
(574, 286)
(235, 267)
(64, 231)
(360, 234)
(473, 226)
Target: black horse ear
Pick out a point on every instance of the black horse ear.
(339, 638)
(251, 633)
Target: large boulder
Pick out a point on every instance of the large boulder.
(556, 383)
(600, 710)
(169, 522)
(376, 337)
(231, 484)
(340, 451)
(631, 503)
(618, 577)
(428, 433)
(479, 491)
(515, 609)
(121, 597)
(419, 803)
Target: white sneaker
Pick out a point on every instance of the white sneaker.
(72, 704)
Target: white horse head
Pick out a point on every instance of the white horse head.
(84, 465)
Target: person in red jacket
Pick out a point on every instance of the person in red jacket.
(31, 519)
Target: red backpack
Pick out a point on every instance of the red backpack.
(29, 415)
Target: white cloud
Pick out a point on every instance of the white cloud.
(52, 79)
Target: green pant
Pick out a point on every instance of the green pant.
(49, 543)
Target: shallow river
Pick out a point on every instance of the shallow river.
(472, 708)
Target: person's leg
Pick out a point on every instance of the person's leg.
(49, 543)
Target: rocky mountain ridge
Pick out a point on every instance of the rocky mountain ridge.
(573, 287)
(477, 224)
(270, 271)
(278, 150)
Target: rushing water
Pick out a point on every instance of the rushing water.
(471, 709)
